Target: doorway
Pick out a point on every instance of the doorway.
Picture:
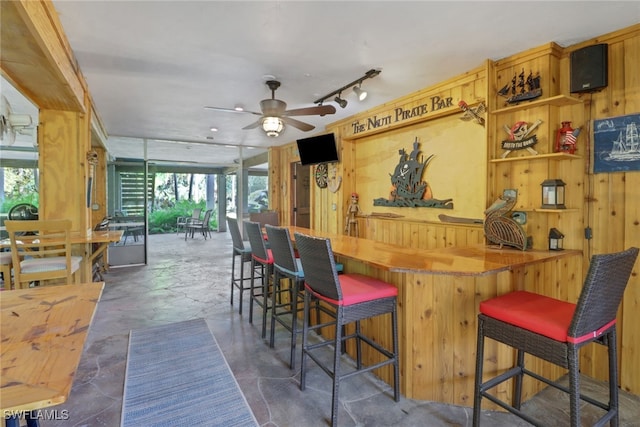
(300, 196)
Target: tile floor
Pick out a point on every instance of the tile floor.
(190, 279)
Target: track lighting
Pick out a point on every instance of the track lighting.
(357, 88)
(362, 94)
(341, 102)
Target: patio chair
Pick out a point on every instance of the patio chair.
(181, 222)
(200, 226)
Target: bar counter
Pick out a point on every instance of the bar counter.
(439, 291)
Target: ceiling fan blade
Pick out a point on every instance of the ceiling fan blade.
(319, 110)
(272, 107)
(254, 124)
(305, 127)
(231, 110)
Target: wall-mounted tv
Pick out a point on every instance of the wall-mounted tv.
(318, 149)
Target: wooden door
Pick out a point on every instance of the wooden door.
(301, 212)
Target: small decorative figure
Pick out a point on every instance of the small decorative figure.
(471, 113)
(351, 223)
(500, 228)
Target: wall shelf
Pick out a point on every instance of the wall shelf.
(541, 210)
(551, 156)
(558, 101)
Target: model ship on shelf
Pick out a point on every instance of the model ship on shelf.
(626, 148)
(521, 89)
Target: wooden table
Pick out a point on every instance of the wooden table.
(439, 292)
(86, 241)
(43, 334)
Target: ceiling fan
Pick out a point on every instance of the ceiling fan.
(275, 115)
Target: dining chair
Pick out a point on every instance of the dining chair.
(242, 250)
(202, 226)
(45, 249)
(354, 297)
(5, 269)
(555, 330)
(262, 267)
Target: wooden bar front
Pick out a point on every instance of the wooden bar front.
(439, 291)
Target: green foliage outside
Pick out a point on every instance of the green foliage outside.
(165, 220)
(20, 186)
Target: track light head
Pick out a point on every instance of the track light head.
(341, 102)
(362, 94)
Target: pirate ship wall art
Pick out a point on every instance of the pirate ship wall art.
(408, 189)
(521, 88)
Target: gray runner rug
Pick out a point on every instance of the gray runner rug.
(177, 376)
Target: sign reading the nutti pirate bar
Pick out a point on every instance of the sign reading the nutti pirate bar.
(401, 114)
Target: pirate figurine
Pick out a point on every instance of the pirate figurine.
(351, 223)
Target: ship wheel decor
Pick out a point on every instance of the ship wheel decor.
(408, 190)
(322, 175)
(499, 226)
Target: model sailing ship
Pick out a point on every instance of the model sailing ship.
(521, 89)
(626, 148)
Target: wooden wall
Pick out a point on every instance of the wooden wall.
(607, 203)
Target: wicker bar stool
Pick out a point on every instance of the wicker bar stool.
(354, 297)
(262, 267)
(285, 265)
(241, 250)
(555, 330)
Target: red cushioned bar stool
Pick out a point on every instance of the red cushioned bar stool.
(261, 268)
(555, 330)
(354, 297)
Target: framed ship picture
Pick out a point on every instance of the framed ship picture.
(616, 144)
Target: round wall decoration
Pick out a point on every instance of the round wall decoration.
(322, 175)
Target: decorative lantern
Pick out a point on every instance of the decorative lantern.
(555, 240)
(566, 138)
(553, 194)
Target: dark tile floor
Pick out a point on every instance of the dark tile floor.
(187, 280)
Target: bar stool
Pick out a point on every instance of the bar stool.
(241, 249)
(262, 265)
(354, 297)
(555, 330)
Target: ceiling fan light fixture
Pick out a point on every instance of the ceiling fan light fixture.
(362, 94)
(272, 126)
(341, 102)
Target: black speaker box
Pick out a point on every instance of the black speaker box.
(589, 68)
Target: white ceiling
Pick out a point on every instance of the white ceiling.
(152, 66)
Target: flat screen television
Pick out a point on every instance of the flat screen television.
(318, 149)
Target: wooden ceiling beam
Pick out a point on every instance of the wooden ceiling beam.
(36, 56)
